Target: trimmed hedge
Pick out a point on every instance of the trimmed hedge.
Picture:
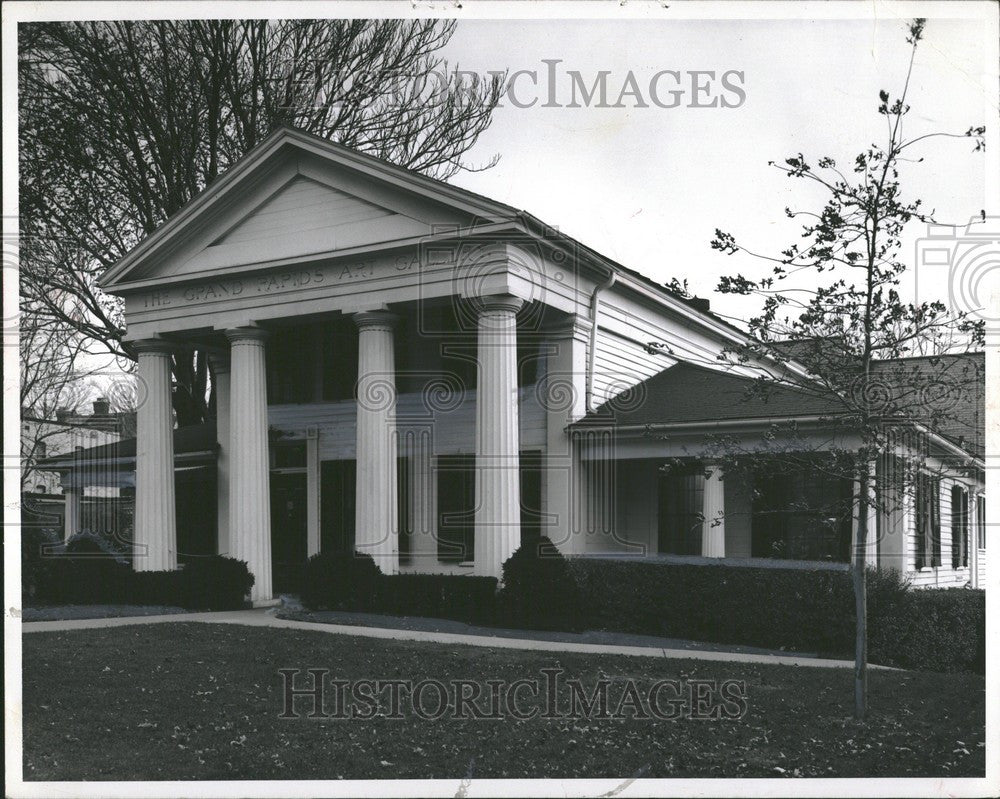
(771, 608)
(932, 630)
(539, 591)
(794, 609)
(85, 573)
(36, 543)
(340, 581)
(444, 596)
(352, 582)
(215, 583)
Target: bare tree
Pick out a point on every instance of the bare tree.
(849, 331)
(122, 123)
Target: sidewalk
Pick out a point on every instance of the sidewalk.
(267, 618)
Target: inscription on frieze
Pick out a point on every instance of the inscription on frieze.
(278, 282)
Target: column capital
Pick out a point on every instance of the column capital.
(248, 333)
(375, 320)
(494, 303)
(153, 346)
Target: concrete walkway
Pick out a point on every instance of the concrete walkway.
(267, 618)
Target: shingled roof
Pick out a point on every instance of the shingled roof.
(188, 441)
(687, 392)
(945, 393)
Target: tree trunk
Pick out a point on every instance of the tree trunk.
(861, 598)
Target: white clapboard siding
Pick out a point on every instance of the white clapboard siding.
(981, 568)
(620, 364)
(452, 427)
(635, 342)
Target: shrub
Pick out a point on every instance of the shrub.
(445, 596)
(155, 588)
(539, 590)
(36, 543)
(216, 583)
(794, 609)
(805, 610)
(340, 581)
(85, 572)
(931, 630)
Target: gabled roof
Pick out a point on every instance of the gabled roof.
(478, 213)
(252, 171)
(946, 393)
(190, 441)
(687, 392)
(943, 394)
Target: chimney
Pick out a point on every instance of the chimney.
(62, 414)
(101, 406)
(700, 303)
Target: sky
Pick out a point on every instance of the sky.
(648, 187)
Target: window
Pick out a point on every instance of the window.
(456, 478)
(292, 363)
(959, 527)
(339, 360)
(403, 499)
(981, 520)
(531, 497)
(288, 455)
(802, 515)
(927, 501)
(337, 505)
(679, 517)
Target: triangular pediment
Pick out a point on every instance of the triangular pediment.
(297, 197)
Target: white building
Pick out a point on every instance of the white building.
(511, 383)
(83, 498)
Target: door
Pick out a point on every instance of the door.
(288, 531)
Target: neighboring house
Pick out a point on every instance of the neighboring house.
(510, 383)
(84, 491)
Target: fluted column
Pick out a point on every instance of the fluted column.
(498, 488)
(71, 518)
(220, 377)
(377, 517)
(155, 509)
(249, 476)
(713, 526)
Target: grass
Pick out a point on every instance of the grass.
(196, 701)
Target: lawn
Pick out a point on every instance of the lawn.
(198, 701)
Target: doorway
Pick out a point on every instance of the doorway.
(288, 531)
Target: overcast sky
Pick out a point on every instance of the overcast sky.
(648, 186)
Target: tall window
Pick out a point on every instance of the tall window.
(292, 355)
(981, 520)
(339, 360)
(456, 531)
(802, 515)
(928, 520)
(456, 481)
(680, 508)
(959, 527)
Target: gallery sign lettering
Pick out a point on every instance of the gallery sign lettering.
(278, 282)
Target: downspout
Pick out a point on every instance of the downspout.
(595, 304)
